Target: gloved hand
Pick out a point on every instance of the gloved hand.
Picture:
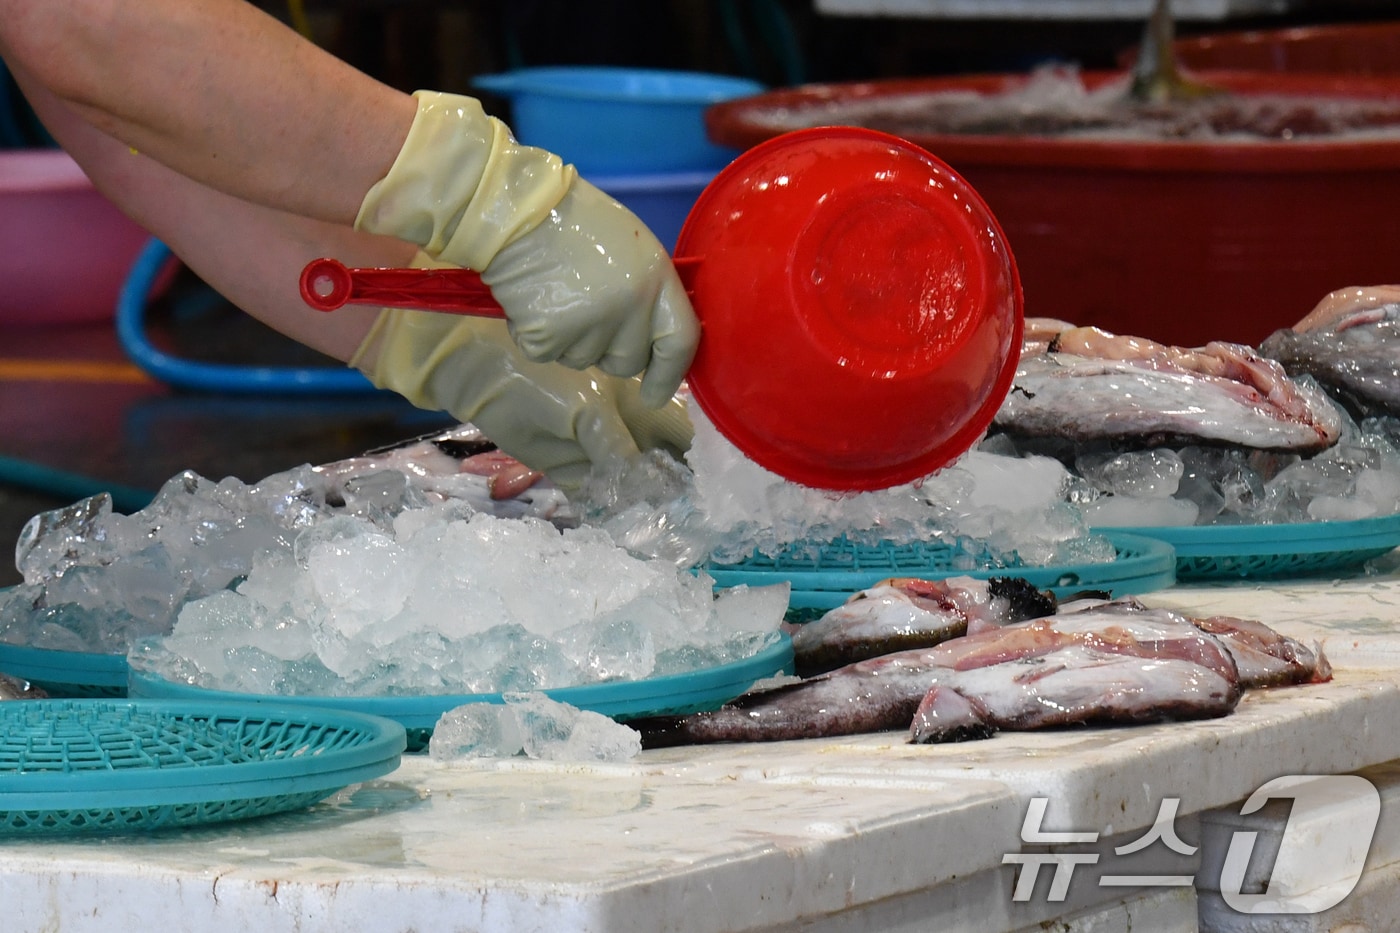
(582, 280)
(557, 420)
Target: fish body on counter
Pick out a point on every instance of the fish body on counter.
(1351, 347)
(903, 613)
(1102, 661)
(1085, 384)
(1073, 685)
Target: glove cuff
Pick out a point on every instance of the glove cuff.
(461, 186)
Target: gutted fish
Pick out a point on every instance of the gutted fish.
(1074, 685)
(1191, 674)
(1096, 661)
(903, 613)
(1086, 384)
(1350, 343)
(1264, 657)
(461, 464)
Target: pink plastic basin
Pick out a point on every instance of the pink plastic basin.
(64, 248)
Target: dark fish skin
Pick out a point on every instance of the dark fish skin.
(904, 613)
(1356, 358)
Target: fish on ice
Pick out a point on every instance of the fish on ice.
(1084, 384)
(1349, 343)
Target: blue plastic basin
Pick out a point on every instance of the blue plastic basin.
(662, 200)
(618, 121)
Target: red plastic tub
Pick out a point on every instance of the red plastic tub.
(1184, 242)
(65, 250)
(1345, 48)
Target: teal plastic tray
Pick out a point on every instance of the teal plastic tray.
(122, 765)
(622, 700)
(827, 578)
(1224, 552)
(66, 673)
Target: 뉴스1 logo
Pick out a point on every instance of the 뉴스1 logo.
(1317, 849)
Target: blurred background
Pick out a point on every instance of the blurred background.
(84, 409)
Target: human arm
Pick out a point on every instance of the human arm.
(251, 254)
(218, 91)
(552, 418)
(223, 94)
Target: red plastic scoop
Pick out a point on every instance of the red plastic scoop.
(861, 310)
(328, 285)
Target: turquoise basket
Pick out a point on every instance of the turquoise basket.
(825, 578)
(677, 694)
(66, 673)
(121, 766)
(1232, 552)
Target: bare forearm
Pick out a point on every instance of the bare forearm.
(218, 91)
(252, 255)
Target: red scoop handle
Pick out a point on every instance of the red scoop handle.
(327, 284)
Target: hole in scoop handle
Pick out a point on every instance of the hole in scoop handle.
(328, 284)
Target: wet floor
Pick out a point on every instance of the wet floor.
(77, 416)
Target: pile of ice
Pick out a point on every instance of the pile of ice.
(441, 601)
(532, 725)
(305, 581)
(997, 510)
(1357, 478)
(95, 580)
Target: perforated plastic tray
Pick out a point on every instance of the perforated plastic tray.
(1223, 552)
(690, 692)
(825, 577)
(122, 765)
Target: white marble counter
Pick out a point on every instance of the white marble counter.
(865, 833)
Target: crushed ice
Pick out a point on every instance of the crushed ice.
(1356, 478)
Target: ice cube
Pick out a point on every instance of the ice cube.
(556, 731)
(476, 730)
(1129, 511)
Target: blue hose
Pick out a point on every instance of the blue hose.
(212, 377)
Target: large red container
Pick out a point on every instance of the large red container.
(1339, 48)
(1180, 241)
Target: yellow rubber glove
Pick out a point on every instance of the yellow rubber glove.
(557, 420)
(582, 280)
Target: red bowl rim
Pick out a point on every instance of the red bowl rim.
(732, 123)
